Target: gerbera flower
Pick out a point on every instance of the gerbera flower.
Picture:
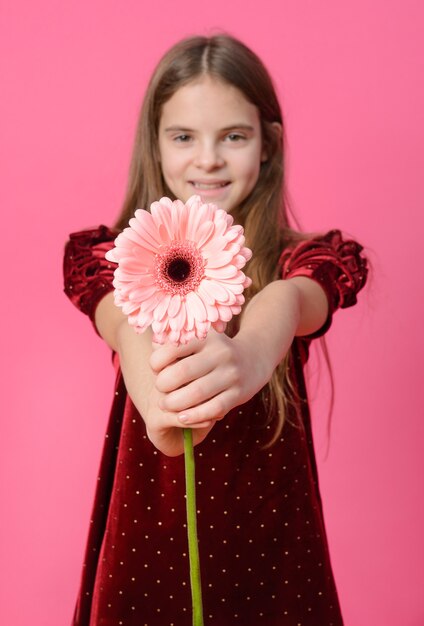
(179, 269)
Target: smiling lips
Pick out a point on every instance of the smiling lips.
(206, 185)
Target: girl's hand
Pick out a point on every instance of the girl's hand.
(164, 429)
(204, 380)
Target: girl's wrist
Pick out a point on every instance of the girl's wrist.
(258, 367)
(270, 321)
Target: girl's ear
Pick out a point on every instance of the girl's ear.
(278, 129)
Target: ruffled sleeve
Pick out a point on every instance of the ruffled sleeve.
(88, 275)
(336, 264)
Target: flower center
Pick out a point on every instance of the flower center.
(179, 268)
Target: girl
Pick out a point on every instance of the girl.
(211, 125)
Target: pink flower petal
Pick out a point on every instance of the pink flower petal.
(160, 338)
(224, 313)
(142, 293)
(247, 253)
(174, 219)
(132, 319)
(239, 261)
(177, 322)
(240, 241)
(190, 318)
(214, 290)
(149, 304)
(233, 232)
(219, 326)
(206, 295)
(111, 255)
(162, 217)
(239, 278)
(232, 298)
(204, 233)
(167, 202)
(183, 220)
(202, 329)
(174, 305)
(159, 326)
(144, 319)
(220, 259)
(139, 264)
(213, 246)
(124, 249)
(144, 226)
(130, 239)
(197, 306)
(228, 296)
(221, 217)
(194, 202)
(162, 306)
(197, 217)
(235, 288)
(221, 273)
(142, 277)
(175, 337)
(129, 307)
(211, 312)
(234, 248)
(187, 335)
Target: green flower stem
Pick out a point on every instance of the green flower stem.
(193, 547)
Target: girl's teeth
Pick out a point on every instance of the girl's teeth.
(209, 186)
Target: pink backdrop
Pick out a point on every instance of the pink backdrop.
(350, 80)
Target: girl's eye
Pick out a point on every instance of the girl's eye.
(234, 137)
(182, 138)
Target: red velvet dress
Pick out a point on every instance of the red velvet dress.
(263, 547)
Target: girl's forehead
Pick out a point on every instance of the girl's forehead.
(208, 100)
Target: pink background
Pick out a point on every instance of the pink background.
(350, 77)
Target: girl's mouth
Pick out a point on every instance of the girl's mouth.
(207, 186)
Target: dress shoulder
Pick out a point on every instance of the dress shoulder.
(87, 274)
(337, 264)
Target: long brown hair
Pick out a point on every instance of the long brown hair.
(264, 213)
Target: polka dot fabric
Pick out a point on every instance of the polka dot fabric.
(263, 548)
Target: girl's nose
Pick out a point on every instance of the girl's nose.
(208, 157)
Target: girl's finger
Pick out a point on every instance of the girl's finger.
(215, 409)
(197, 425)
(195, 393)
(165, 421)
(166, 354)
(184, 371)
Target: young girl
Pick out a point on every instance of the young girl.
(211, 125)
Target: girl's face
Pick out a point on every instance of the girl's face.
(210, 143)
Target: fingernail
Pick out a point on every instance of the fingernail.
(183, 418)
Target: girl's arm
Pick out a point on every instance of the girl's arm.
(134, 350)
(219, 373)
